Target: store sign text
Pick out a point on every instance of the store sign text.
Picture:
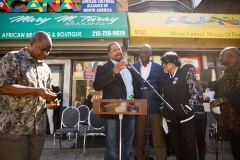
(98, 6)
(203, 20)
(35, 5)
(67, 20)
(204, 34)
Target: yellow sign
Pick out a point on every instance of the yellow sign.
(184, 25)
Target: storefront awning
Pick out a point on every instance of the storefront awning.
(19, 26)
(184, 25)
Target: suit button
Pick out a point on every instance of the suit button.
(124, 88)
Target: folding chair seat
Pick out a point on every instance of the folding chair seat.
(70, 123)
(95, 127)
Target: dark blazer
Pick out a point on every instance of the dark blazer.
(112, 87)
(155, 78)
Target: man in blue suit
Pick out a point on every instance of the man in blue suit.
(153, 73)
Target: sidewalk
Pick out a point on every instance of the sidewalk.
(98, 153)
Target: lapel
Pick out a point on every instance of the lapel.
(152, 69)
(110, 66)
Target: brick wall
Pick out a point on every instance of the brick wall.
(219, 6)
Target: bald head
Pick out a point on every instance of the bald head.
(145, 53)
(231, 50)
(41, 36)
(146, 46)
(229, 56)
(40, 45)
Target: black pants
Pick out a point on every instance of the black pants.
(234, 138)
(183, 140)
(200, 128)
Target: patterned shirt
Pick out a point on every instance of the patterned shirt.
(20, 115)
(229, 87)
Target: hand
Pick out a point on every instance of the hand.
(119, 66)
(206, 98)
(54, 104)
(45, 93)
(214, 103)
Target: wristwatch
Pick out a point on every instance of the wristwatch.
(220, 100)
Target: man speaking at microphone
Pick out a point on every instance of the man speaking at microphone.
(116, 82)
(153, 73)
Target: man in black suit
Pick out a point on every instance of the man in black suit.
(116, 82)
(153, 73)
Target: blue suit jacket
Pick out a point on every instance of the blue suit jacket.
(155, 79)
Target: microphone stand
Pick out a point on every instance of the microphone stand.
(150, 86)
(146, 88)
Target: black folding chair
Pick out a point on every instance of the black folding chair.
(210, 130)
(95, 127)
(84, 111)
(70, 123)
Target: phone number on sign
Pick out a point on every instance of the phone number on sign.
(108, 33)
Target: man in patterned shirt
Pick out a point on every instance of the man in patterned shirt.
(228, 88)
(24, 88)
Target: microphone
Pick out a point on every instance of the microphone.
(129, 61)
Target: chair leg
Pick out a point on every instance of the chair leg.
(212, 142)
(84, 142)
(54, 143)
(221, 141)
(60, 140)
(76, 144)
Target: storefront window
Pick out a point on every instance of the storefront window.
(210, 61)
(82, 81)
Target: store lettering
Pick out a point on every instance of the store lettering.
(203, 20)
(98, 19)
(190, 33)
(234, 34)
(212, 34)
(13, 35)
(139, 32)
(30, 34)
(175, 33)
(35, 5)
(39, 20)
(98, 1)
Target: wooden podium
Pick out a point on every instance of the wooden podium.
(120, 107)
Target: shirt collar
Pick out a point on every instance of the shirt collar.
(28, 55)
(114, 62)
(149, 63)
(171, 76)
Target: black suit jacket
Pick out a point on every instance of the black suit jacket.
(112, 87)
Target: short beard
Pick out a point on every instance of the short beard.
(118, 60)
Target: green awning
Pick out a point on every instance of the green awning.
(16, 26)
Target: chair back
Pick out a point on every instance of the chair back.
(84, 111)
(95, 121)
(70, 118)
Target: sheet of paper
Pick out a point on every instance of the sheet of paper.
(206, 107)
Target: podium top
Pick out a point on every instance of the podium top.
(117, 106)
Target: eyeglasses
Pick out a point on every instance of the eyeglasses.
(165, 62)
